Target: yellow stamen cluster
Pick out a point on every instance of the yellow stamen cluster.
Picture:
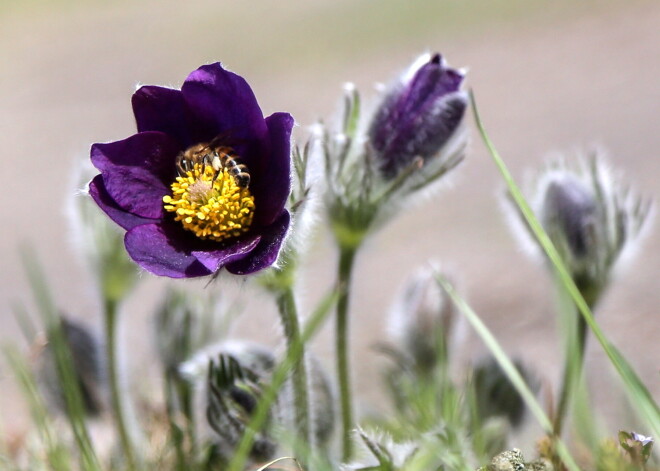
(210, 203)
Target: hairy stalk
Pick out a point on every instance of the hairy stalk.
(291, 324)
(345, 269)
(575, 350)
(572, 371)
(110, 318)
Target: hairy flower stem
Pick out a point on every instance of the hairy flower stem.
(574, 356)
(572, 373)
(345, 269)
(110, 318)
(291, 324)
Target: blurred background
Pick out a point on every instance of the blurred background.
(548, 76)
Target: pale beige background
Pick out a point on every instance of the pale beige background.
(548, 76)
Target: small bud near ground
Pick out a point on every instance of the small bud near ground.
(230, 378)
(495, 395)
(87, 364)
(423, 321)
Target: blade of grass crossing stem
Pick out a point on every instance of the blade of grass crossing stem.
(509, 369)
(63, 361)
(277, 381)
(57, 456)
(639, 394)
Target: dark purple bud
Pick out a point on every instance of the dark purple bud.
(87, 363)
(418, 115)
(569, 212)
(495, 395)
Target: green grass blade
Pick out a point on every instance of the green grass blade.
(63, 361)
(28, 329)
(509, 369)
(57, 456)
(637, 391)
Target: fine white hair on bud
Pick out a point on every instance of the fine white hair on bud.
(228, 379)
(417, 64)
(588, 214)
(348, 87)
(375, 160)
(422, 320)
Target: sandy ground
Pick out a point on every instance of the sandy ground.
(547, 77)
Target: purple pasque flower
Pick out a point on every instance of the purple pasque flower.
(418, 115)
(203, 183)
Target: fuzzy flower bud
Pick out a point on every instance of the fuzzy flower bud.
(418, 115)
(230, 379)
(495, 395)
(569, 215)
(590, 218)
(87, 365)
(422, 321)
(410, 142)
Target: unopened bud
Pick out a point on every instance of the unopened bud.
(418, 115)
(590, 218)
(230, 378)
(87, 368)
(422, 320)
(495, 395)
(569, 215)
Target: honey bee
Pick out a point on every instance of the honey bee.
(218, 157)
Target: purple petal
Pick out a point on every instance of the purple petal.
(265, 254)
(99, 194)
(223, 103)
(432, 81)
(162, 109)
(163, 251)
(216, 259)
(137, 171)
(418, 116)
(272, 182)
(153, 151)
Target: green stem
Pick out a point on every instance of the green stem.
(291, 324)
(572, 371)
(110, 315)
(345, 269)
(575, 349)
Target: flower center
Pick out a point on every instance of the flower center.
(210, 197)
